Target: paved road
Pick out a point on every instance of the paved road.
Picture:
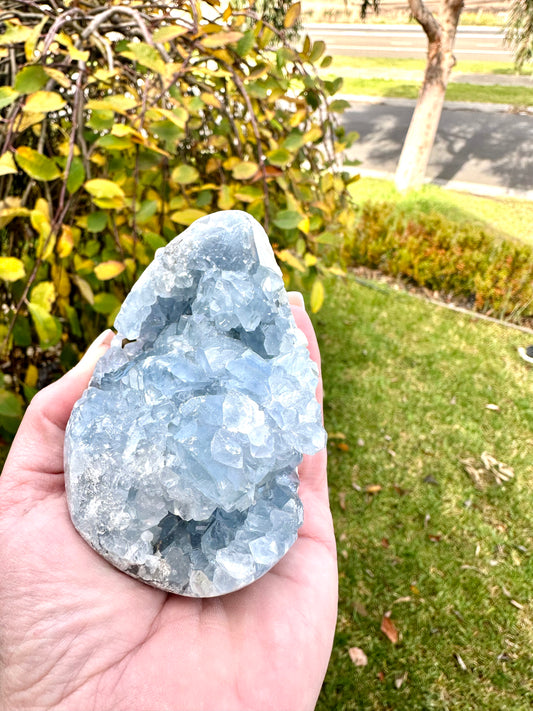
(489, 148)
(472, 43)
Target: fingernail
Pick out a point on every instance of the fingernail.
(296, 299)
(104, 338)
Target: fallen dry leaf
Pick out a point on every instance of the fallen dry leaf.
(343, 446)
(385, 543)
(358, 657)
(398, 682)
(381, 676)
(492, 406)
(373, 488)
(360, 609)
(336, 435)
(460, 662)
(487, 470)
(388, 628)
(342, 500)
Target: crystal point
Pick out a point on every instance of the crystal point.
(181, 456)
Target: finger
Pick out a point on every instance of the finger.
(38, 446)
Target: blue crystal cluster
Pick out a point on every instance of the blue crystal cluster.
(181, 456)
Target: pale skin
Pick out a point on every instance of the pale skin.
(78, 635)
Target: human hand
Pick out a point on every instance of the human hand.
(77, 635)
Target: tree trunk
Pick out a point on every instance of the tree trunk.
(420, 137)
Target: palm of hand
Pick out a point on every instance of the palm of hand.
(77, 634)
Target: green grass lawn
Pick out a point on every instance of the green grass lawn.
(515, 95)
(407, 385)
(511, 217)
(388, 63)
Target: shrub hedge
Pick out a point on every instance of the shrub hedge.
(492, 274)
(120, 124)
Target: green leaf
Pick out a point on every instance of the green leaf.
(22, 332)
(30, 79)
(319, 47)
(145, 213)
(185, 174)
(76, 175)
(96, 221)
(10, 405)
(36, 165)
(115, 143)
(287, 219)
(169, 32)
(101, 120)
(48, 327)
(146, 55)
(326, 62)
(7, 96)
(153, 240)
(7, 164)
(294, 141)
(317, 296)
(11, 269)
(339, 105)
(44, 101)
(105, 303)
(279, 157)
(244, 170)
(246, 42)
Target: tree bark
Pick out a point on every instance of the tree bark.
(420, 137)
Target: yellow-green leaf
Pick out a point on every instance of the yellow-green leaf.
(44, 294)
(7, 96)
(30, 79)
(244, 170)
(225, 198)
(317, 295)
(65, 243)
(287, 219)
(47, 326)
(289, 258)
(105, 303)
(103, 189)
(187, 217)
(11, 269)
(44, 101)
(185, 174)
(169, 32)
(33, 38)
(118, 103)
(108, 270)
(14, 34)
(76, 54)
(293, 13)
(7, 164)
(279, 157)
(58, 77)
(85, 288)
(147, 56)
(10, 405)
(36, 165)
(221, 39)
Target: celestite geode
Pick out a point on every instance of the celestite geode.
(181, 456)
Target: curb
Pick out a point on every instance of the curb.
(448, 105)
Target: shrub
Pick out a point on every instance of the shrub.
(119, 126)
(492, 274)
